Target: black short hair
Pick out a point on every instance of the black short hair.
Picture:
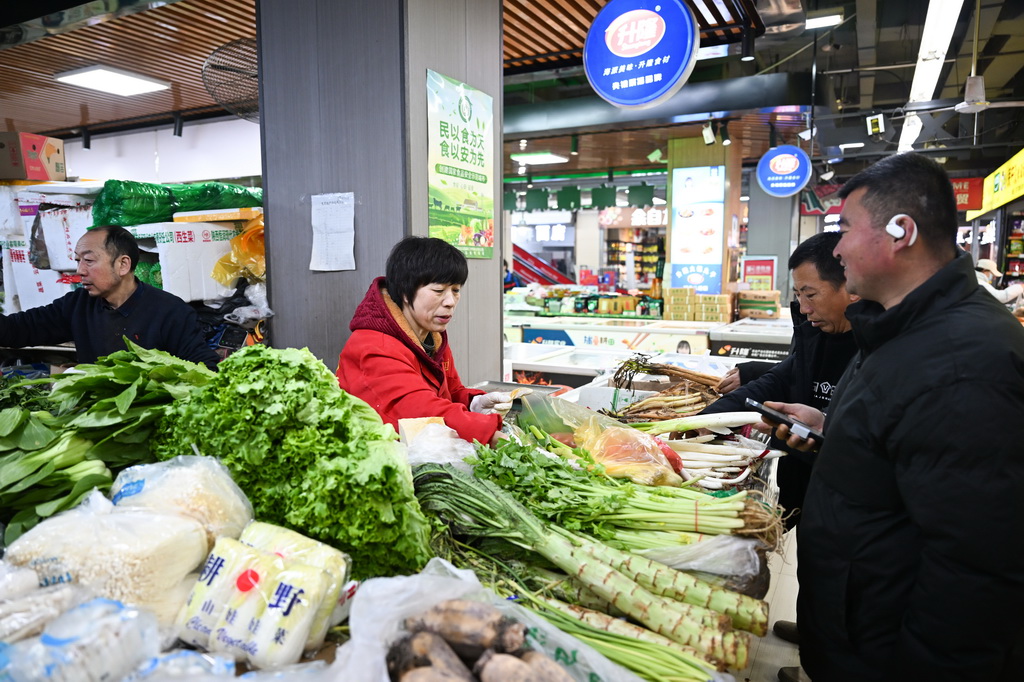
(913, 184)
(417, 261)
(119, 242)
(818, 250)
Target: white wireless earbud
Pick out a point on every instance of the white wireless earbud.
(898, 231)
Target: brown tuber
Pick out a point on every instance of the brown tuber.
(470, 627)
(544, 668)
(425, 650)
(494, 667)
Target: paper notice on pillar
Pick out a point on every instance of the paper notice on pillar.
(333, 232)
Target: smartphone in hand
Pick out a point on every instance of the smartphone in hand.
(798, 429)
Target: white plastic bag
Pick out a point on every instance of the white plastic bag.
(27, 615)
(438, 444)
(197, 487)
(382, 604)
(16, 581)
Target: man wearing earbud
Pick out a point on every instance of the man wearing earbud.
(910, 563)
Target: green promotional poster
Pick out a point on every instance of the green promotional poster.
(460, 136)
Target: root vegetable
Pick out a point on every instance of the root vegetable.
(494, 667)
(470, 627)
(545, 669)
(426, 675)
(426, 650)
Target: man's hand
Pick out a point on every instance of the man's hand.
(730, 382)
(801, 413)
(495, 402)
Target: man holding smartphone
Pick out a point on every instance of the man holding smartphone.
(909, 562)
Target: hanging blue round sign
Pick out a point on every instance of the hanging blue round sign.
(638, 53)
(784, 171)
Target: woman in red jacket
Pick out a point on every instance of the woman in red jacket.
(398, 359)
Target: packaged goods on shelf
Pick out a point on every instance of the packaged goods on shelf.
(188, 253)
(26, 286)
(759, 304)
(125, 202)
(24, 156)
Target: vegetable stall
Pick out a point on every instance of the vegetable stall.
(162, 520)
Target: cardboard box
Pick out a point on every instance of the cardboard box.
(32, 287)
(24, 156)
(62, 228)
(188, 253)
(217, 215)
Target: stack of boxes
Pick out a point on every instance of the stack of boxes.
(759, 304)
(685, 304)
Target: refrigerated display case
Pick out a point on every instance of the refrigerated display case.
(643, 335)
(753, 339)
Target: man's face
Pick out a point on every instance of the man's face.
(863, 249)
(822, 303)
(100, 273)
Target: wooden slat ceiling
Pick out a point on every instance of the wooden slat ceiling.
(169, 43)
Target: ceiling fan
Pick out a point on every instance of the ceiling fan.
(975, 100)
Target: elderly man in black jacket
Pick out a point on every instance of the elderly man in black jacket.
(910, 564)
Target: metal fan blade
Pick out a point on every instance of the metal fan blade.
(1006, 105)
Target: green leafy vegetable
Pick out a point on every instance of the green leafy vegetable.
(309, 456)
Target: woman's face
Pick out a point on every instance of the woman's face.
(432, 308)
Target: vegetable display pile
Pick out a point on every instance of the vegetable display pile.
(667, 602)
(689, 393)
(103, 417)
(309, 456)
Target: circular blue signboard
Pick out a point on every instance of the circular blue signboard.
(784, 171)
(639, 53)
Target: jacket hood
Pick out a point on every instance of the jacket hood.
(378, 312)
(873, 325)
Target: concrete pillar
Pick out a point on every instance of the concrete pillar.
(343, 108)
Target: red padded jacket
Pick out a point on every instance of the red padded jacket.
(384, 364)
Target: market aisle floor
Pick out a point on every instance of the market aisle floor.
(769, 653)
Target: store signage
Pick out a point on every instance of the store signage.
(758, 272)
(696, 239)
(639, 53)
(969, 193)
(460, 174)
(625, 216)
(1002, 186)
(821, 200)
(784, 171)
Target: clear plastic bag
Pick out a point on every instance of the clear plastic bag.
(97, 641)
(723, 554)
(626, 453)
(183, 664)
(438, 444)
(383, 604)
(27, 615)
(16, 581)
(199, 488)
(135, 556)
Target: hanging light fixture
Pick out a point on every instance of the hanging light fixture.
(726, 140)
(709, 133)
(574, 146)
(748, 45)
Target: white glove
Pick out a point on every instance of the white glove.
(495, 402)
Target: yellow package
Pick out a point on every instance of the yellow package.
(247, 258)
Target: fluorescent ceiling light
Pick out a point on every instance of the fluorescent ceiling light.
(114, 81)
(939, 24)
(823, 21)
(538, 158)
(851, 145)
(744, 198)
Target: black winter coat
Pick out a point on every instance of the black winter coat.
(791, 381)
(911, 564)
